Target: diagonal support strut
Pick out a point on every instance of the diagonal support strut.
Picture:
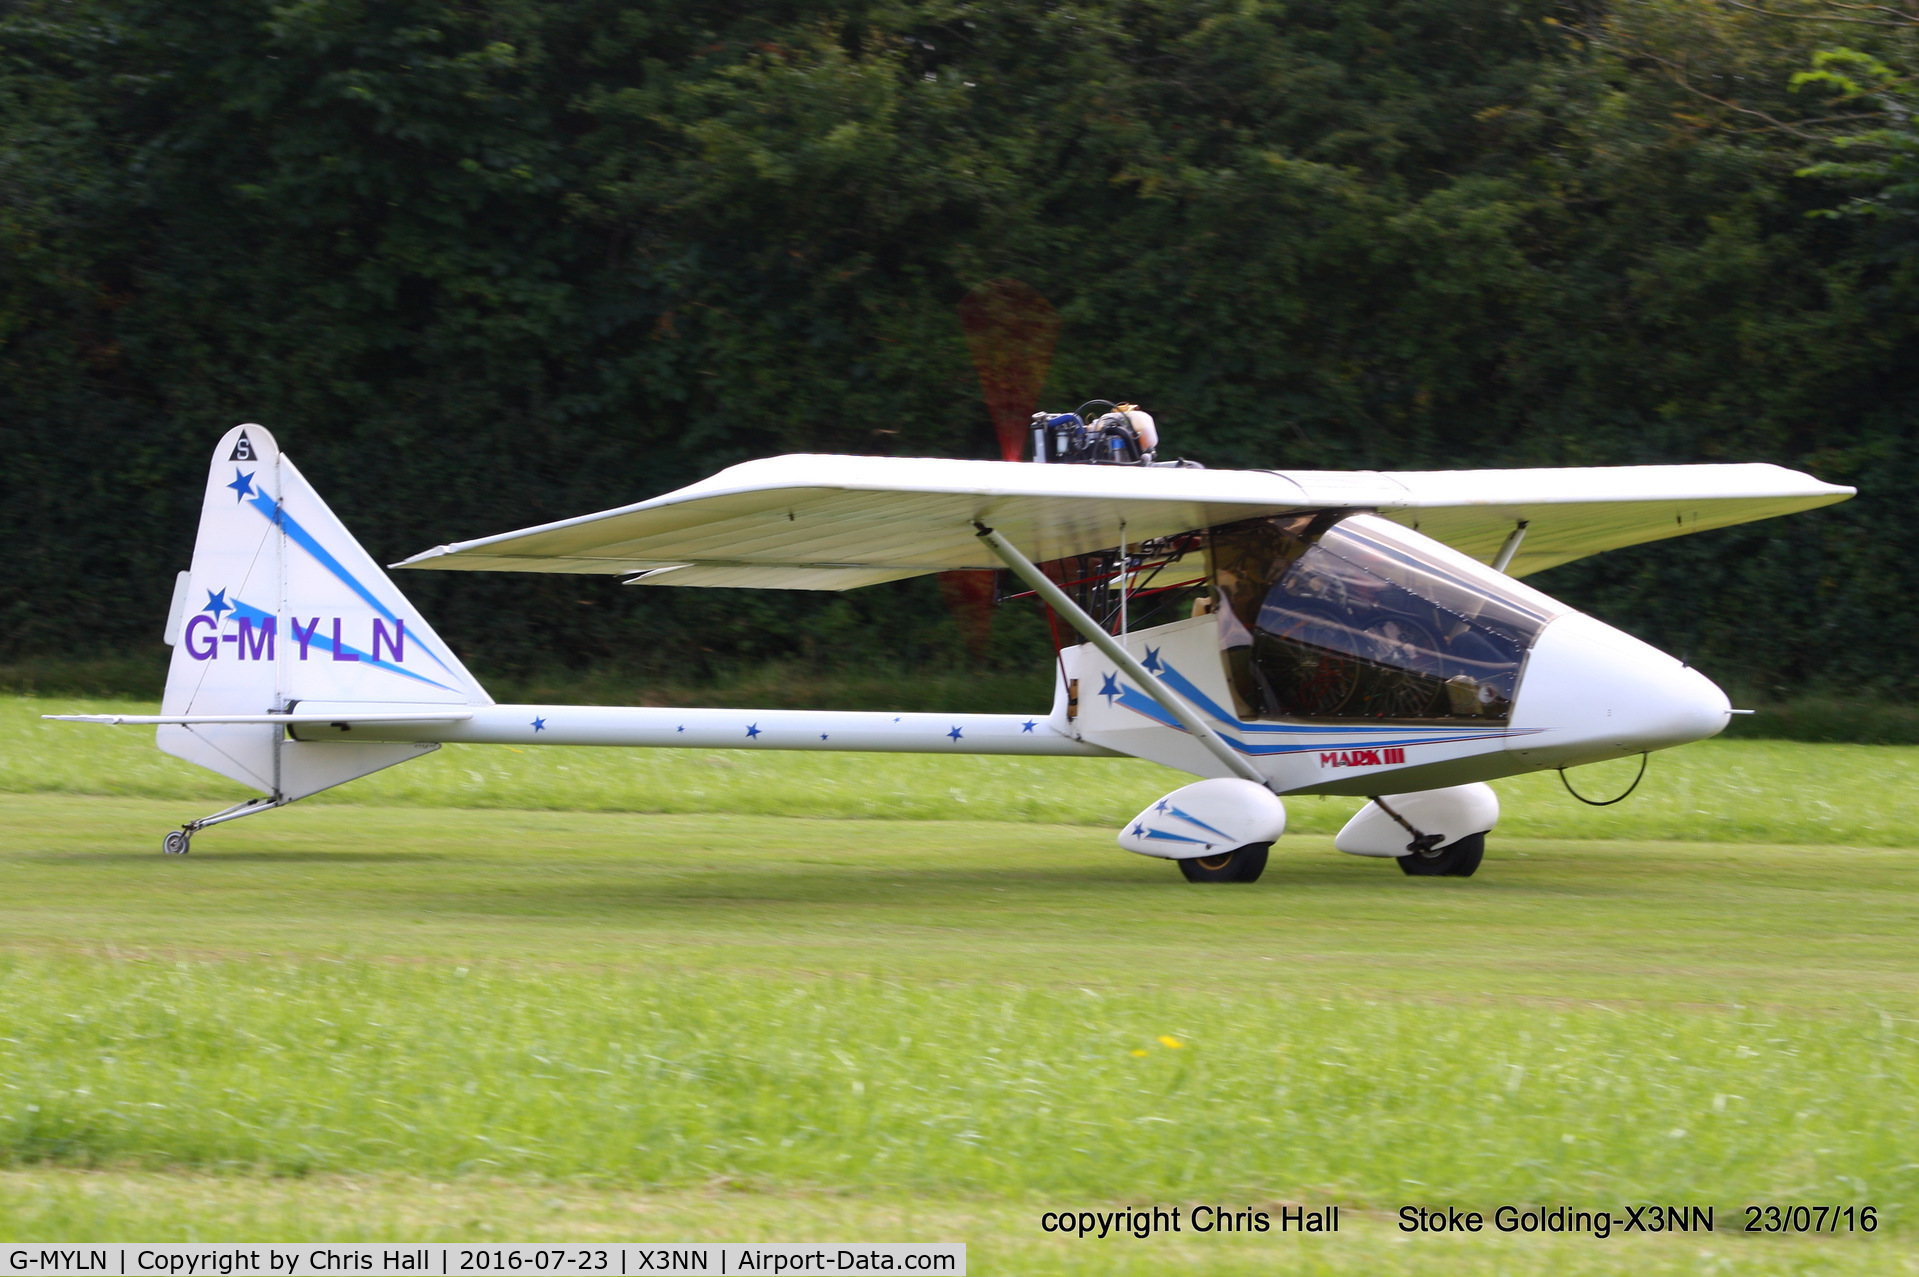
(1511, 547)
(1182, 713)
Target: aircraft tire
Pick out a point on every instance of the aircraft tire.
(177, 843)
(1455, 860)
(1241, 864)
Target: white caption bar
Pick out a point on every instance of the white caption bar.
(457, 1259)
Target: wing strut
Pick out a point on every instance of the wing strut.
(1096, 634)
(1504, 558)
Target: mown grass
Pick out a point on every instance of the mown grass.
(948, 1008)
(866, 1084)
(414, 1020)
(1720, 790)
(1625, 923)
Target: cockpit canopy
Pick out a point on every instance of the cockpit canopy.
(1354, 617)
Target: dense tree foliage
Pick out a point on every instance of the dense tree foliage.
(481, 264)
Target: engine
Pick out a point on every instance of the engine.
(1121, 435)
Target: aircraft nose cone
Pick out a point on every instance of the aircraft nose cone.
(1590, 691)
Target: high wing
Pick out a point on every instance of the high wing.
(813, 522)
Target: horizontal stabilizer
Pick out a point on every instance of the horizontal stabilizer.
(151, 720)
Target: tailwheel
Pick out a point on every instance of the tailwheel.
(1241, 864)
(177, 842)
(1454, 860)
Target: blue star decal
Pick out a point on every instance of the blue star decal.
(1161, 806)
(955, 733)
(1137, 831)
(1028, 725)
(1110, 688)
(217, 603)
(539, 724)
(679, 729)
(822, 735)
(752, 731)
(1152, 661)
(242, 485)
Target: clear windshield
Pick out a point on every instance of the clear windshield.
(1360, 618)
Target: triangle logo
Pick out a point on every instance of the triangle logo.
(243, 450)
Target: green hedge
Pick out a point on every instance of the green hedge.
(484, 264)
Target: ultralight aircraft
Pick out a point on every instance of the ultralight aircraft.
(1274, 632)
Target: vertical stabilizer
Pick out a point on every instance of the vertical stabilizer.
(282, 605)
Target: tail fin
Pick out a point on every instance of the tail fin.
(282, 605)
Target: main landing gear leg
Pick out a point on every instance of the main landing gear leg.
(179, 842)
(1425, 858)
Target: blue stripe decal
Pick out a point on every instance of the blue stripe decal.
(1375, 738)
(1171, 676)
(1184, 686)
(1194, 820)
(1155, 835)
(276, 514)
(325, 644)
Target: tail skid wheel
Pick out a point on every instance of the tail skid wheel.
(1241, 864)
(1454, 860)
(178, 842)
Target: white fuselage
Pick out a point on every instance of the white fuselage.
(1587, 692)
(780, 729)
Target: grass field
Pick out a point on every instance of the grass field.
(672, 1015)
